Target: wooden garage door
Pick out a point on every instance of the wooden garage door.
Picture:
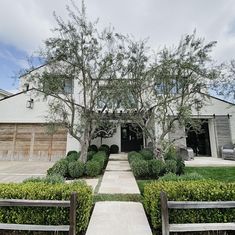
(31, 142)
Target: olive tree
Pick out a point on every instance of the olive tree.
(78, 58)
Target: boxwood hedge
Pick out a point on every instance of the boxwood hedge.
(200, 190)
(44, 215)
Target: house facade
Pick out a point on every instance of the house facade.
(24, 134)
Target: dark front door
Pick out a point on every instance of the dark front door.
(131, 137)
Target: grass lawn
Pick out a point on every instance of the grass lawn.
(226, 174)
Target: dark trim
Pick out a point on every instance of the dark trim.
(211, 96)
(7, 97)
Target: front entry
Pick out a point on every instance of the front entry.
(131, 137)
(199, 141)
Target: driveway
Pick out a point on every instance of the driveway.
(17, 171)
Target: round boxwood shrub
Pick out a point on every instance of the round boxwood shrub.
(92, 168)
(171, 166)
(76, 169)
(114, 148)
(73, 156)
(134, 156)
(105, 148)
(140, 168)
(147, 154)
(60, 168)
(92, 148)
(90, 154)
(71, 152)
(156, 168)
(99, 158)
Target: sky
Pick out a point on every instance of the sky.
(25, 24)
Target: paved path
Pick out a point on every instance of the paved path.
(118, 218)
(209, 161)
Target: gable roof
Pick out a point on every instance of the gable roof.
(5, 93)
(214, 97)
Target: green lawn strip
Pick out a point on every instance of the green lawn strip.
(117, 197)
(226, 174)
(142, 183)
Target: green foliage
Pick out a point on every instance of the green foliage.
(156, 168)
(45, 215)
(73, 156)
(60, 168)
(49, 179)
(90, 155)
(147, 154)
(117, 197)
(99, 158)
(93, 148)
(140, 168)
(76, 169)
(171, 166)
(174, 177)
(134, 156)
(201, 190)
(180, 166)
(93, 168)
(71, 152)
(105, 148)
(114, 148)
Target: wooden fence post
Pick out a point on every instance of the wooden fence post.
(165, 215)
(72, 215)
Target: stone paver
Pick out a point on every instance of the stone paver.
(116, 182)
(120, 157)
(118, 218)
(209, 161)
(118, 166)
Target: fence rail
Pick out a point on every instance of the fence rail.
(167, 227)
(71, 228)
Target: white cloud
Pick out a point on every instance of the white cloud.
(26, 23)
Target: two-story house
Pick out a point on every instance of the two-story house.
(23, 135)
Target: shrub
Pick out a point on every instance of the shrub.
(134, 156)
(140, 168)
(147, 154)
(71, 152)
(49, 179)
(187, 177)
(171, 154)
(73, 156)
(180, 166)
(99, 158)
(156, 168)
(60, 168)
(201, 190)
(90, 155)
(92, 168)
(114, 148)
(45, 215)
(104, 148)
(92, 148)
(171, 166)
(76, 169)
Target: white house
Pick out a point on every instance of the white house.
(24, 136)
(4, 94)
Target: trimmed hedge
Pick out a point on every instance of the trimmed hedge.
(114, 148)
(44, 215)
(134, 156)
(76, 169)
(200, 190)
(140, 168)
(105, 148)
(59, 168)
(92, 148)
(147, 154)
(74, 156)
(93, 168)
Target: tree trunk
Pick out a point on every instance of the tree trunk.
(158, 150)
(84, 145)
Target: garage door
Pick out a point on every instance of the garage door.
(31, 142)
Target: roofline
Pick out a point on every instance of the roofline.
(5, 92)
(211, 96)
(7, 97)
(26, 73)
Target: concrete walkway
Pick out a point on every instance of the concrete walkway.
(209, 161)
(118, 218)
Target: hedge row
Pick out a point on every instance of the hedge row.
(104, 147)
(44, 215)
(144, 165)
(200, 190)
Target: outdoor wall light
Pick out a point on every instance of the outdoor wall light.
(228, 115)
(214, 116)
(29, 103)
